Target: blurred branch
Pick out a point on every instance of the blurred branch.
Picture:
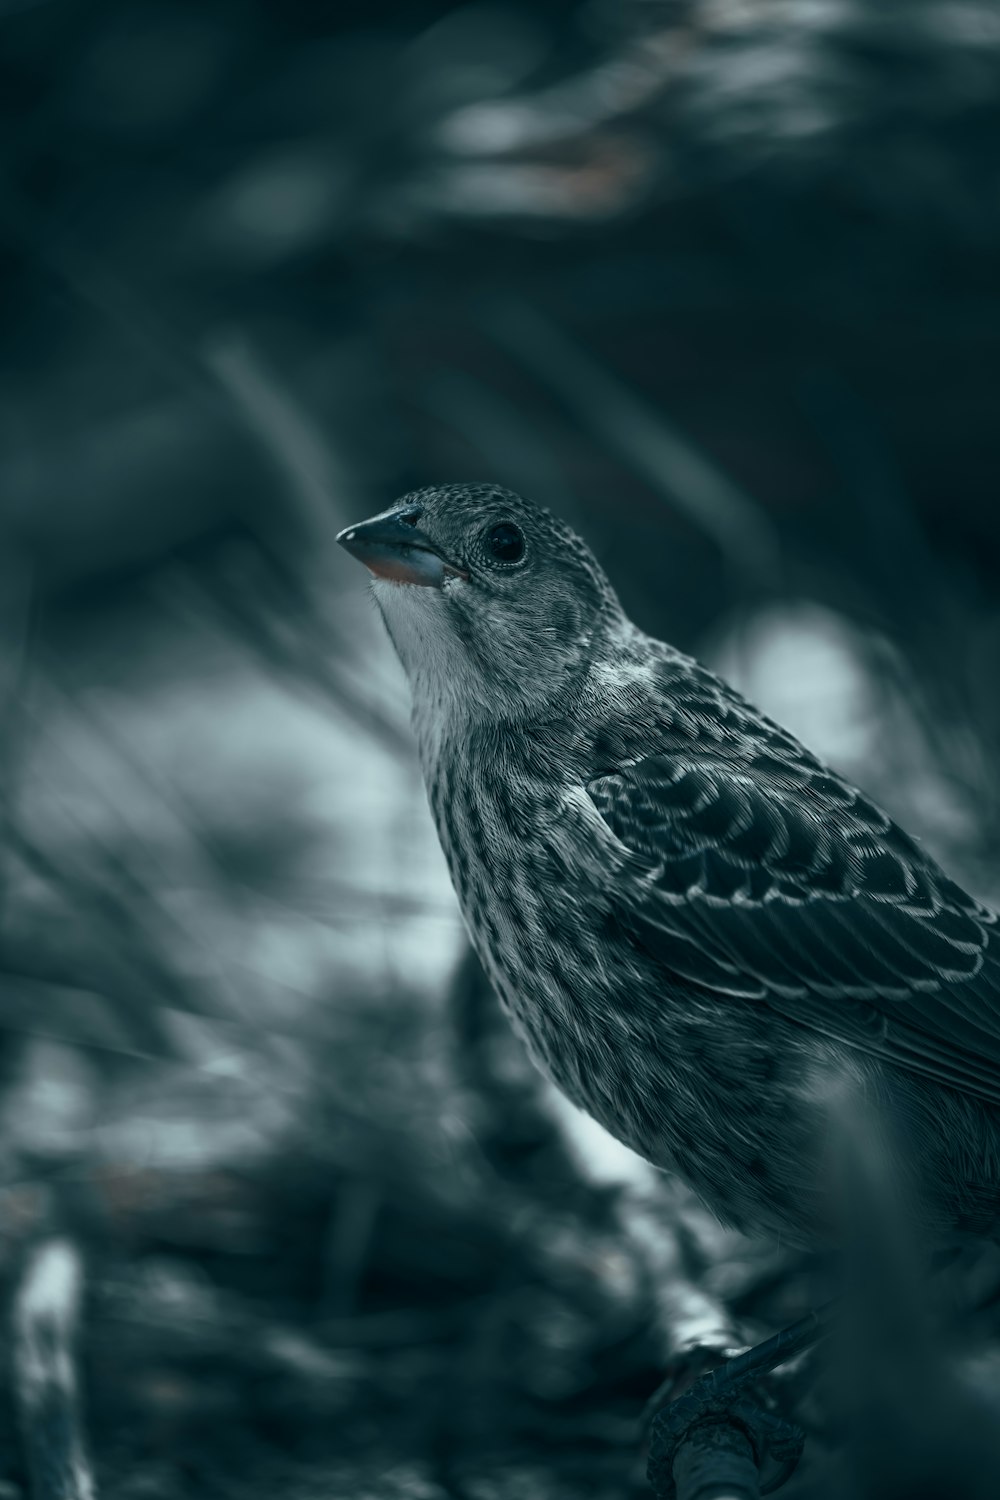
(46, 1315)
(617, 85)
(263, 610)
(318, 485)
(297, 636)
(117, 945)
(507, 437)
(667, 461)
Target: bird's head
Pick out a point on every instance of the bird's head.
(493, 605)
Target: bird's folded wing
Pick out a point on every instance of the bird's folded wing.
(787, 887)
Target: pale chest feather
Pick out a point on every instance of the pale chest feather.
(658, 1066)
(536, 917)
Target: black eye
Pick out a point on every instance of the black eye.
(505, 542)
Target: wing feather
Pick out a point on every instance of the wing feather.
(776, 882)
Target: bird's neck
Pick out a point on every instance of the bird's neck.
(450, 731)
(556, 737)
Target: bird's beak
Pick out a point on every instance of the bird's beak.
(393, 548)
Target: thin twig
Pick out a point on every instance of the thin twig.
(46, 1314)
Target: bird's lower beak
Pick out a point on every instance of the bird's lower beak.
(393, 548)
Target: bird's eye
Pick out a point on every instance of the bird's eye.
(505, 542)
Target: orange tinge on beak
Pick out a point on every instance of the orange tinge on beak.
(393, 548)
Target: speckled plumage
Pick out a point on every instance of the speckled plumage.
(693, 922)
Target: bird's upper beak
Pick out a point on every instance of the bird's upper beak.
(393, 547)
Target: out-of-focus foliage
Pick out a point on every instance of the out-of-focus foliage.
(714, 278)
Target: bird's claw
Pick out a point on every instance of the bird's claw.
(776, 1442)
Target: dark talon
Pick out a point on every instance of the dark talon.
(719, 1398)
(783, 1440)
(773, 1439)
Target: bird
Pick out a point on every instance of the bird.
(698, 927)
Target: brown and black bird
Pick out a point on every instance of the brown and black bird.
(694, 923)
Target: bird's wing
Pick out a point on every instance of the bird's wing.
(780, 883)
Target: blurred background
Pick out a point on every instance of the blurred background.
(714, 279)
